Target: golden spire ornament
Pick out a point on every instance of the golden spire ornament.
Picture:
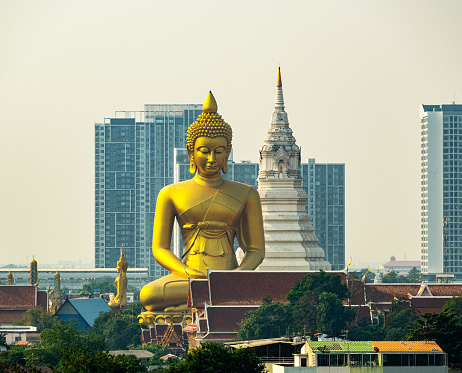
(210, 104)
(279, 82)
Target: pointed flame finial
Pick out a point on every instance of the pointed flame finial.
(122, 254)
(210, 104)
(279, 82)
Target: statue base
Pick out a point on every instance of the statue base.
(165, 317)
(116, 306)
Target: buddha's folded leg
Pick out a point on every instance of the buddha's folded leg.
(167, 291)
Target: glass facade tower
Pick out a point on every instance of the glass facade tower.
(325, 185)
(133, 161)
(441, 191)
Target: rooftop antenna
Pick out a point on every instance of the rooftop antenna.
(454, 101)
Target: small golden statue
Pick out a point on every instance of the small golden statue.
(211, 211)
(120, 300)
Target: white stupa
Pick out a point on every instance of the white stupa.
(290, 242)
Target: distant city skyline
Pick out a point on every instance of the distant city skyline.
(355, 75)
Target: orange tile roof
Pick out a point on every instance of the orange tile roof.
(406, 346)
(21, 343)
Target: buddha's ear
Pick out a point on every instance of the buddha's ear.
(192, 164)
(224, 169)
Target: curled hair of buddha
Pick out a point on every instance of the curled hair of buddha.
(208, 125)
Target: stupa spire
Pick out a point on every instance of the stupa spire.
(279, 82)
(279, 102)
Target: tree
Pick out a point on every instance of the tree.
(304, 298)
(59, 341)
(413, 275)
(16, 368)
(105, 285)
(14, 356)
(331, 315)
(217, 358)
(269, 321)
(443, 328)
(318, 282)
(119, 329)
(101, 362)
(401, 316)
(367, 332)
(455, 303)
(120, 334)
(390, 277)
(38, 317)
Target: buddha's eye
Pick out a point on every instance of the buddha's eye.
(204, 149)
(219, 150)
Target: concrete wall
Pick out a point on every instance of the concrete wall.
(285, 369)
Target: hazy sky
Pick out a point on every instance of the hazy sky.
(354, 76)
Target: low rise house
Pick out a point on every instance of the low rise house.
(375, 356)
(16, 333)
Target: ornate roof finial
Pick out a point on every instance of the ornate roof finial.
(279, 82)
(210, 105)
(122, 254)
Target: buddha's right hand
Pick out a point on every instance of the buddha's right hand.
(194, 273)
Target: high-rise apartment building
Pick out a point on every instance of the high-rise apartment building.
(441, 191)
(133, 161)
(324, 183)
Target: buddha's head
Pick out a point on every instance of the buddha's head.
(122, 263)
(209, 141)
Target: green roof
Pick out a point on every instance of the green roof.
(352, 346)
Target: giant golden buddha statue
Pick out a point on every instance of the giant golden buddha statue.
(211, 211)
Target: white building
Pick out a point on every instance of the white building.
(441, 191)
(290, 242)
(12, 334)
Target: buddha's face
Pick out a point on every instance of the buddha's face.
(210, 154)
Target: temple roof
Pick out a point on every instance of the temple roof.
(198, 294)
(9, 316)
(226, 318)
(388, 292)
(249, 287)
(18, 296)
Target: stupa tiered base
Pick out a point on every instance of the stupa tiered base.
(165, 317)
